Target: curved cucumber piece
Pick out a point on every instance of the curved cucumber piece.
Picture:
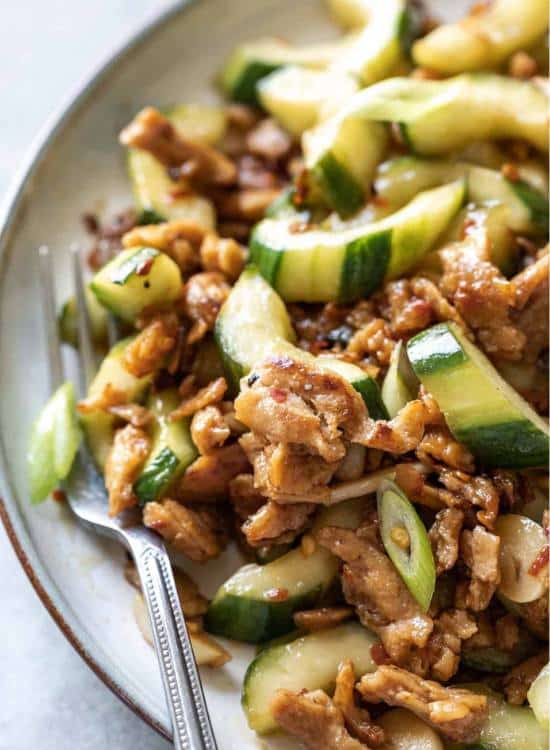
(254, 324)
(406, 541)
(399, 385)
(54, 441)
(251, 62)
(172, 449)
(432, 117)
(508, 727)
(68, 320)
(308, 663)
(399, 180)
(298, 97)
(137, 279)
(481, 409)
(153, 189)
(382, 46)
(247, 608)
(539, 697)
(99, 426)
(483, 40)
(495, 660)
(320, 266)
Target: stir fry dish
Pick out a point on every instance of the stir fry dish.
(333, 296)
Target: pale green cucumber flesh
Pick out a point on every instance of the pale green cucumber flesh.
(481, 409)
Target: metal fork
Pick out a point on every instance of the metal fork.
(85, 490)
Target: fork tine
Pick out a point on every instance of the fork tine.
(86, 355)
(55, 363)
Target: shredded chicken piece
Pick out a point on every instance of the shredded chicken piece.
(357, 719)
(439, 444)
(408, 313)
(245, 498)
(129, 450)
(526, 283)
(135, 414)
(485, 634)
(484, 298)
(276, 524)
(480, 552)
(197, 162)
(456, 713)
(245, 205)
(193, 603)
(373, 339)
(442, 310)
(180, 239)
(268, 140)
(507, 633)
(105, 400)
(322, 618)
(374, 587)
(208, 396)
(531, 295)
(209, 429)
(147, 352)
(222, 254)
(208, 477)
(198, 534)
(445, 538)
(535, 616)
(518, 681)
(203, 296)
(314, 719)
(451, 628)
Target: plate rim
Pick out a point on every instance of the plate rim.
(12, 208)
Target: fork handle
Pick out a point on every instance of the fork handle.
(191, 725)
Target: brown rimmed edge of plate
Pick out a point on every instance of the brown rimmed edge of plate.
(12, 211)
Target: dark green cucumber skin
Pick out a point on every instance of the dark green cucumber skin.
(535, 201)
(156, 478)
(341, 192)
(370, 392)
(243, 89)
(409, 27)
(254, 620)
(451, 356)
(149, 216)
(365, 264)
(496, 661)
(490, 443)
(233, 370)
(267, 260)
(282, 206)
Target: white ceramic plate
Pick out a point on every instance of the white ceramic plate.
(78, 166)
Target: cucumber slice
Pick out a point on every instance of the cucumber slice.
(99, 426)
(508, 727)
(153, 189)
(483, 40)
(399, 180)
(340, 156)
(68, 323)
(405, 731)
(251, 62)
(481, 409)
(308, 663)
(321, 266)
(172, 449)
(431, 113)
(406, 541)
(521, 541)
(400, 384)
(539, 697)
(382, 47)
(246, 608)
(54, 441)
(495, 660)
(137, 279)
(298, 97)
(254, 324)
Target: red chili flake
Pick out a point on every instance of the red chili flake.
(540, 561)
(278, 395)
(59, 496)
(144, 268)
(379, 654)
(276, 595)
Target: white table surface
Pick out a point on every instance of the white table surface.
(49, 699)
